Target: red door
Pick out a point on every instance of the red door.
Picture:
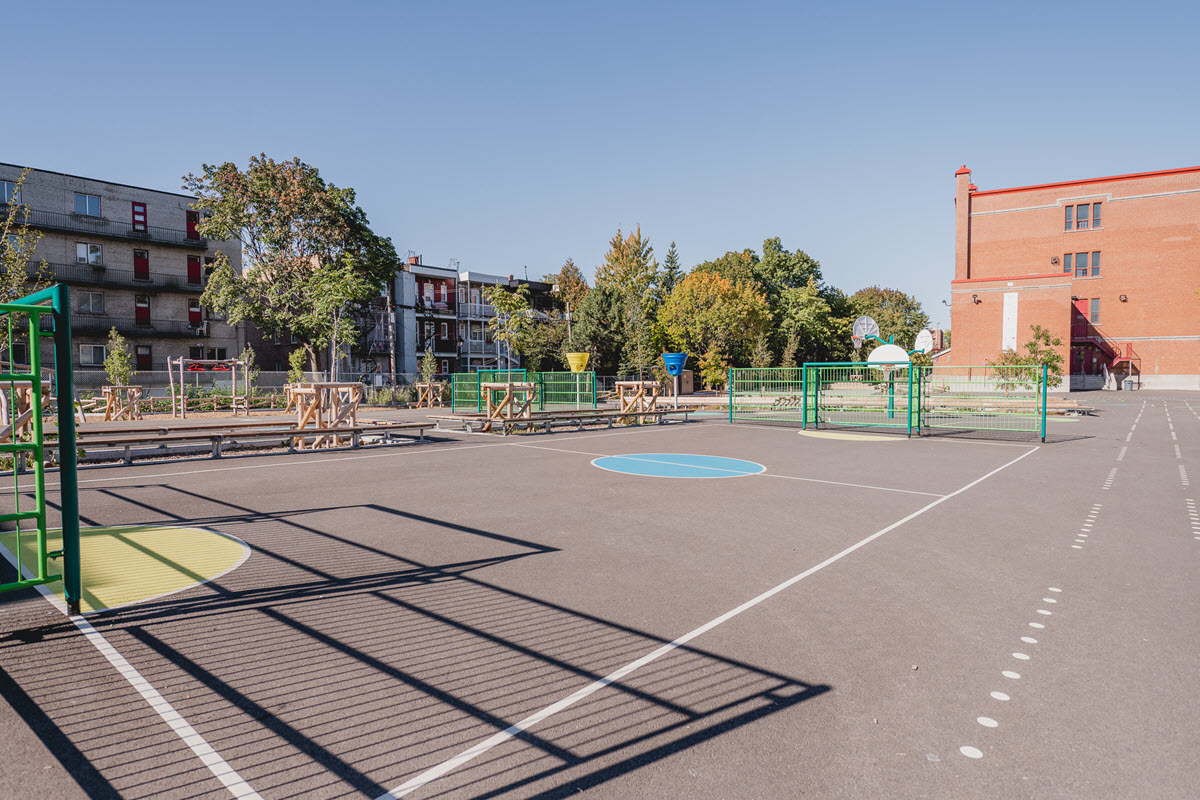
(193, 219)
(193, 276)
(194, 313)
(141, 305)
(139, 217)
(141, 265)
(143, 358)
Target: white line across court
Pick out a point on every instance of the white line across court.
(444, 768)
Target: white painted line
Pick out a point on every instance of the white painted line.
(970, 752)
(1077, 547)
(852, 485)
(1000, 696)
(554, 449)
(1044, 612)
(1020, 656)
(1037, 625)
(1055, 589)
(1128, 437)
(1028, 640)
(218, 766)
(1008, 673)
(1121, 455)
(987, 722)
(1049, 600)
(478, 749)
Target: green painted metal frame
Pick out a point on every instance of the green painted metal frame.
(55, 302)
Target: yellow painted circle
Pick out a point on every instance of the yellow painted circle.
(131, 564)
(849, 437)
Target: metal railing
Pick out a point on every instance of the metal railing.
(104, 276)
(99, 226)
(477, 310)
(99, 324)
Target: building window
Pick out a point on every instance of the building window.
(1094, 317)
(1095, 263)
(1095, 215)
(143, 357)
(139, 217)
(277, 340)
(87, 204)
(195, 352)
(1070, 219)
(221, 354)
(428, 294)
(89, 254)
(1081, 217)
(445, 331)
(294, 339)
(141, 309)
(91, 302)
(10, 193)
(1081, 265)
(91, 355)
(20, 353)
(445, 367)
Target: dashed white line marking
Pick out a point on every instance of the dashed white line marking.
(1008, 673)
(1028, 640)
(1121, 455)
(1037, 625)
(1021, 656)
(1043, 611)
(987, 722)
(1054, 589)
(1000, 696)
(1077, 547)
(971, 752)
(1049, 600)
(1081, 541)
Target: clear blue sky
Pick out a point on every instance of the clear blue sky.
(519, 134)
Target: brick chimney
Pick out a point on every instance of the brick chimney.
(414, 259)
(962, 223)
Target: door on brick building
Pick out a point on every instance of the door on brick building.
(141, 265)
(194, 313)
(193, 219)
(143, 358)
(141, 306)
(139, 217)
(193, 273)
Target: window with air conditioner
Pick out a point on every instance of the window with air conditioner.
(86, 253)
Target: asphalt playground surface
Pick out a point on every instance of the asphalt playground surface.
(477, 617)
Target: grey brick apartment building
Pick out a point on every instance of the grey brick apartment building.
(134, 261)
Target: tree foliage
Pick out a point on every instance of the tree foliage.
(118, 363)
(897, 313)
(1025, 368)
(296, 360)
(19, 274)
(708, 311)
(512, 318)
(572, 286)
(309, 250)
(671, 273)
(599, 328)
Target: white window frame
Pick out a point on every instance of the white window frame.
(84, 252)
(86, 205)
(90, 360)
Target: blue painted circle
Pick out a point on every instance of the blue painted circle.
(678, 465)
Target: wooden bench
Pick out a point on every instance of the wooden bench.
(549, 420)
(286, 436)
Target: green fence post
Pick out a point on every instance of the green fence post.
(804, 397)
(68, 480)
(891, 395)
(817, 398)
(1045, 378)
(909, 409)
(731, 395)
(593, 389)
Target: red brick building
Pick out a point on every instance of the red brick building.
(1110, 266)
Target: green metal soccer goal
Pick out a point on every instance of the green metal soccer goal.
(42, 316)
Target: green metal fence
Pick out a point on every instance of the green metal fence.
(555, 390)
(923, 400)
(47, 315)
(987, 398)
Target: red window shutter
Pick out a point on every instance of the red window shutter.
(193, 275)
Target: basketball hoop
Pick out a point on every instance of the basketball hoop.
(857, 341)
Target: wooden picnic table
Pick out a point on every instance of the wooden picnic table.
(507, 401)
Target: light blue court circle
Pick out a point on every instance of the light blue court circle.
(678, 465)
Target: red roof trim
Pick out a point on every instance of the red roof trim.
(1130, 176)
(1014, 277)
(962, 171)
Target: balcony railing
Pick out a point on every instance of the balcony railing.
(490, 348)
(423, 307)
(478, 310)
(100, 325)
(99, 226)
(103, 276)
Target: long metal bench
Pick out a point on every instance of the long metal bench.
(548, 420)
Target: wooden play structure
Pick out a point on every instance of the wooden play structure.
(505, 402)
(429, 395)
(181, 367)
(122, 403)
(321, 406)
(16, 410)
(638, 396)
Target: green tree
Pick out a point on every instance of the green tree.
(572, 286)
(296, 361)
(897, 313)
(671, 273)
(1024, 369)
(781, 269)
(736, 267)
(309, 250)
(714, 368)
(708, 312)
(429, 366)
(599, 328)
(19, 275)
(118, 363)
(251, 367)
(629, 264)
(512, 318)
(807, 322)
(762, 357)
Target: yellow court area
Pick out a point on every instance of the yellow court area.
(851, 437)
(122, 565)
